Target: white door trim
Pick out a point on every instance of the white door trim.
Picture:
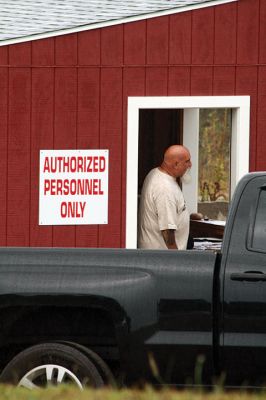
(190, 104)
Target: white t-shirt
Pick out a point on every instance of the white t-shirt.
(162, 206)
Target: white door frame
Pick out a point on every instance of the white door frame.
(240, 106)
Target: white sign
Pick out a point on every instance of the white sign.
(73, 187)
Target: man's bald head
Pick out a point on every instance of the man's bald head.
(176, 160)
(176, 152)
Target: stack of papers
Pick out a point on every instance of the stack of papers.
(207, 244)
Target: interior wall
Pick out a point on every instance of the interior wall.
(158, 129)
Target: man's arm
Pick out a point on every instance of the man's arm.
(169, 238)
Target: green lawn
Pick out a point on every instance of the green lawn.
(70, 393)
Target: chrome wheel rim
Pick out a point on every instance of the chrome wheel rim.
(48, 375)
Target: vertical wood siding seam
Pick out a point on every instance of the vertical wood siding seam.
(168, 56)
(237, 23)
(213, 49)
(122, 152)
(191, 43)
(214, 26)
(212, 79)
(7, 141)
(259, 31)
(100, 44)
(258, 77)
(77, 50)
(77, 104)
(123, 45)
(257, 115)
(54, 73)
(99, 122)
(122, 136)
(54, 40)
(167, 80)
(78, 40)
(146, 56)
(235, 72)
(30, 150)
(77, 110)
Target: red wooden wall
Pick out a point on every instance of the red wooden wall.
(71, 92)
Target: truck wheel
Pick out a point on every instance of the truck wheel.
(96, 360)
(51, 364)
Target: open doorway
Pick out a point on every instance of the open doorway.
(158, 129)
(189, 136)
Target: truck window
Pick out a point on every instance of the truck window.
(259, 233)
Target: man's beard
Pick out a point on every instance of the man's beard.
(186, 178)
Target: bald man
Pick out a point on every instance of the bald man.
(163, 216)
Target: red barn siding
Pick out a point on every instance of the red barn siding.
(135, 43)
(225, 34)
(179, 81)
(261, 121)
(71, 92)
(203, 36)
(3, 55)
(3, 152)
(20, 54)
(66, 50)
(224, 81)
(42, 137)
(89, 47)
(201, 81)
(133, 85)
(248, 32)
(157, 41)
(18, 157)
(156, 81)
(65, 133)
(262, 42)
(111, 122)
(88, 120)
(43, 52)
(180, 39)
(112, 45)
(247, 82)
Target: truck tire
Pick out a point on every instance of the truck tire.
(96, 360)
(51, 364)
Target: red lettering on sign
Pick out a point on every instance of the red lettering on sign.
(72, 209)
(100, 187)
(46, 165)
(89, 159)
(102, 164)
(46, 186)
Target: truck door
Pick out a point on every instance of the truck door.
(243, 322)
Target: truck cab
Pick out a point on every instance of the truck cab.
(242, 286)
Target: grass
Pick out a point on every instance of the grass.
(71, 393)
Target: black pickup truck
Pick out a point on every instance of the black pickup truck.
(98, 316)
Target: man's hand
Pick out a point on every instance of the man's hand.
(169, 238)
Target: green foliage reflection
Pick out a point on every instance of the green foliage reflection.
(214, 155)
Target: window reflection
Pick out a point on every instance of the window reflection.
(214, 162)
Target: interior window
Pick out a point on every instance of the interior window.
(259, 234)
(215, 128)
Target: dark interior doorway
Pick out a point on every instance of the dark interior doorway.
(158, 129)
